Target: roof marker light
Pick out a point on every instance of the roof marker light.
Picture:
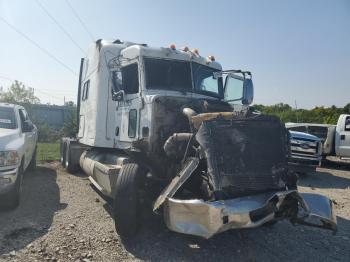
(211, 57)
(172, 46)
(195, 51)
(185, 49)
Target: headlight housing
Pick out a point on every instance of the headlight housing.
(9, 158)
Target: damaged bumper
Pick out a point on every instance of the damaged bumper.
(205, 219)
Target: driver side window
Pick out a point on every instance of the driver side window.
(23, 116)
(130, 74)
(347, 123)
(127, 79)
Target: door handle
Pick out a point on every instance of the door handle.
(342, 137)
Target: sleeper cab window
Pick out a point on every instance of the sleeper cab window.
(85, 93)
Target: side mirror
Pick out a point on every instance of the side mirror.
(118, 96)
(27, 126)
(238, 89)
(248, 91)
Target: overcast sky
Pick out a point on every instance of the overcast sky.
(296, 50)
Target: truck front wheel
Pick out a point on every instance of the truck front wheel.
(126, 201)
(63, 153)
(71, 166)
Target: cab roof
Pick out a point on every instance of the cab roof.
(132, 50)
(8, 105)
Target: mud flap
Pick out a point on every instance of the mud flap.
(318, 212)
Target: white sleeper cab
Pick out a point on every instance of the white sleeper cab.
(170, 130)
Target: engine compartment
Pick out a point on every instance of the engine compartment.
(244, 155)
(233, 174)
(238, 153)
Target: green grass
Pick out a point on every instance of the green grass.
(48, 152)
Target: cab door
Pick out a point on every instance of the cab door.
(342, 137)
(29, 137)
(129, 102)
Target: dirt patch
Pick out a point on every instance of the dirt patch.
(61, 218)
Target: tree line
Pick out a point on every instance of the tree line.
(18, 93)
(319, 114)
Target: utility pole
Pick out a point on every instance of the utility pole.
(296, 110)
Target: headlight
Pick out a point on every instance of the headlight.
(8, 158)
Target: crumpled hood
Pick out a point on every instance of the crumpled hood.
(302, 135)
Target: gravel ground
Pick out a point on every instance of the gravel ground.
(61, 218)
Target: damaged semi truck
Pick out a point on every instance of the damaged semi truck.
(170, 126)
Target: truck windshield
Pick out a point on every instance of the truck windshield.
(205, 82)
(168, 74)
(177, 75)
(7, 118)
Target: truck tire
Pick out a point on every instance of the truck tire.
(11, 199)
(302, 174)
(126, 202)
(32, 164)
(63, 153)
(270, 223)
(70, 166)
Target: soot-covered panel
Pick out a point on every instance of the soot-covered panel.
(244, 154)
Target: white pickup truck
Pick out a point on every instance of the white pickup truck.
(335, 138)
(18, 138)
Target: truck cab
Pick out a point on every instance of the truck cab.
(342, 136)
(137, 81)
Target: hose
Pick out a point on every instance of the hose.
(172, 144)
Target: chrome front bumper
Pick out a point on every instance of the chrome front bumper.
(8, 179)
(205, 219)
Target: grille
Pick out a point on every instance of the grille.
(304, 147)
(242, 155)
